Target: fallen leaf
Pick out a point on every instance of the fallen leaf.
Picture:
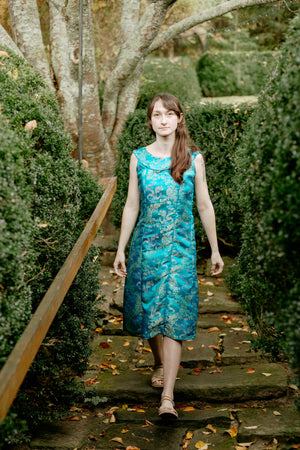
(251, 370)
(216, 371)
(98, 330)
(118, 439)
(125, 430)
(112, 419)
(276, 413)
(232, 431)
(189, 435)
(189, 408)
(267, 374)
(92, 437)
(210, 294)
(74, 418)
(148, 423)
(126, 344)
(246, 444)
(253, 427)
(211, 428)
(190, 348)
(134, 448)
(140, 410)
(209, 330)
(104, 345)
(146, 349)
(31, 125)
(215, 347)
(43, 224)
(201, 445)
(197, 370)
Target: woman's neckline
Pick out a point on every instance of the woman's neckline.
(157, 157)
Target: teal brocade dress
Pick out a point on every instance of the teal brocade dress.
(161, 288)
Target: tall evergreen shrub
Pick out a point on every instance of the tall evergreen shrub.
(216, 130)
(57, 196)
(225, 73)
(267, 277)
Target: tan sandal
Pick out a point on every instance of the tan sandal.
(167, 413)
(157, 379)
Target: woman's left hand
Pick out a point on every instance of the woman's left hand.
(217, 263)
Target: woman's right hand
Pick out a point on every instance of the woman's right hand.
(119, 265)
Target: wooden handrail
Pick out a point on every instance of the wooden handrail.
(22, 355)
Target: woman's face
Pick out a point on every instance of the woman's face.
(164, 121)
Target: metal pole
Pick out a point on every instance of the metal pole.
(80, 76)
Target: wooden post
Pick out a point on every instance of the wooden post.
(22, 355)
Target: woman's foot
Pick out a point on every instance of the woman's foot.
(157, 379)
(167, 410)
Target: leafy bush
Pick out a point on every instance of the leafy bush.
(216, 130)
(177, 76)
(267, 277)
(234, 73)
(50, 197)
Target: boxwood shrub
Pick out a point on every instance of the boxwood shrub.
(216, 130)
(225, 73)
(48, 198)
(175, 75)
(267, 277)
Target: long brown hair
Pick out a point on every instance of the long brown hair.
(181, 158)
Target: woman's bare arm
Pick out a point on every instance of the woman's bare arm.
(207, 214)
(129, 217)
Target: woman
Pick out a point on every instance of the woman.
(161, 288)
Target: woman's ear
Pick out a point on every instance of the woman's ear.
(180, 118)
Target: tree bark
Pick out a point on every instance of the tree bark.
(201, 17)
(131, 52)
(26, 28)
(64, 29)
(5, 39)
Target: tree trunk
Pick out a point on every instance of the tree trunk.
(64, 34)
(26, 28)
(132, 51)
(5, 39)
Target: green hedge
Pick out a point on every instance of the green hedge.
(267, 277)
(226, 73)
(48, 199)
(175, 75)
(216, 129)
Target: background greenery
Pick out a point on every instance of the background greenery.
(227, 73)
(46, 199)
(174, 75)
(267, 276)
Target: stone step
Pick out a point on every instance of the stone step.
(226, 384)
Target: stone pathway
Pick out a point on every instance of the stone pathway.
(227, 396)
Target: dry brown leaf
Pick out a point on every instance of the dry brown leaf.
(276, 413)
(118, 439)
(190, 348)
(74, 418)
(251, 370)
(146, 349)
(189, 435)
(211, 329)
(31, 125)
(126, 344)
(201, 445)
(211, 428)
(92, 437)
(130, 447)
(189, 408)
(232, 431)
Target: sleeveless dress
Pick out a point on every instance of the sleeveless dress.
(161, 288)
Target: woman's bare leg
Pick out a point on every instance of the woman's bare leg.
(172, 357)
(156, 344)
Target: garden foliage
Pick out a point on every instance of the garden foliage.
(46, 199)
(234, 73)
(175, 75)
(216, 130)
(267, 277)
